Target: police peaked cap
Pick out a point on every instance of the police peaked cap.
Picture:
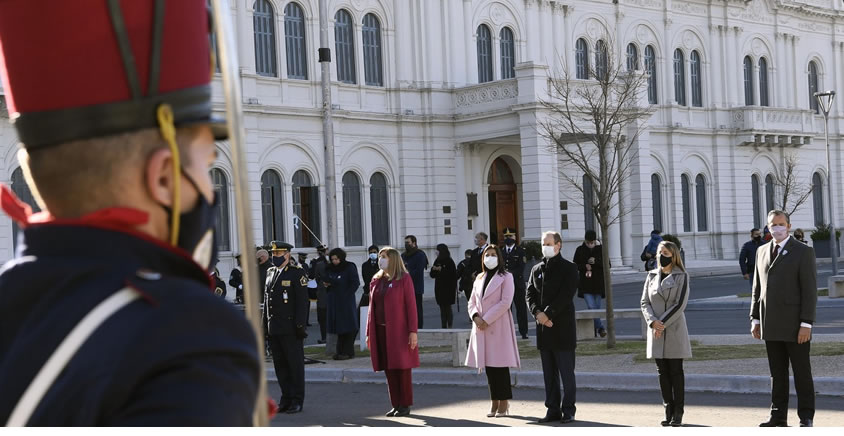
(280, 246)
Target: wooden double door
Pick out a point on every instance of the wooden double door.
(503, 201)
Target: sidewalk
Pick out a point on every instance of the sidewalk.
(608, 372)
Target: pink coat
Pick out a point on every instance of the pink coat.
(496, 345)
(400, 314)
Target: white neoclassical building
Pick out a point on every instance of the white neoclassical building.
(437, 108)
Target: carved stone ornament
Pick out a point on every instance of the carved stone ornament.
(358, 5)
(688, 39)
(758, 47)
(643, 34)
(593, 27)
(497, 13)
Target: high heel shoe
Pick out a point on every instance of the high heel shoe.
(493, 410)
(506, 412)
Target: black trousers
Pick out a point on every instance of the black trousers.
(323, 323)
(557, 365)
(289, 362)
(419, 319)
(346, 344)
(521, 308)
(446, 316)
(499, 383)
(779, 355)
(672, 382)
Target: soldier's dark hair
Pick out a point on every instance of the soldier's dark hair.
(754, 230)
(590, 235)
(339, 252)
(469, 252)
(411, 237)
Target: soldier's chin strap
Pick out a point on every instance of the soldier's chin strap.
(164, 113)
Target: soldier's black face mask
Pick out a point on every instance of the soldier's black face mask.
(196, 227)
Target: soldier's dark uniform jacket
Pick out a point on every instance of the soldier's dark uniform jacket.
(514, 262)
(177, 356)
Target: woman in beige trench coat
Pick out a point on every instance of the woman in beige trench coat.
(664, 299)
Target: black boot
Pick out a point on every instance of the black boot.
(669, 414)
(678, 384)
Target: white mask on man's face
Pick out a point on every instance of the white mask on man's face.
(548, 251)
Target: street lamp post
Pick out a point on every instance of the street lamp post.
(825, 103)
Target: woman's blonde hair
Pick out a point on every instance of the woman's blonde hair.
(395, 270)
(676, 260)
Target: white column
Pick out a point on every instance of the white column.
(777, 76)
(668, 56)
(533, 40)
(471, 54)
(796, 78)
(458, 223)
(732, 69)
(545, 39)
(567, 41)
(615, 237)
(557, 46)
(457, 51)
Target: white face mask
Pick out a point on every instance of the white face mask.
(491, 262)
(548, 251)
(383, 263)
(779, 232)
(373, 256)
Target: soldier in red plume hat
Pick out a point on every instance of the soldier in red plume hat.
(107, 314)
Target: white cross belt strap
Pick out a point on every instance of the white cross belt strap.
(66, 350)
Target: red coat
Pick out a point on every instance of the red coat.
(400, 313)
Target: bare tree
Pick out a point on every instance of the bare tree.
(593, 121)
(794, 193)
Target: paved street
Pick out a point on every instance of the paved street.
(341, 405)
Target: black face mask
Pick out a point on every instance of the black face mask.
(757, 238)
(510, 241)
(664, 261)
(196, 228)
(278, 261)
(408, 247)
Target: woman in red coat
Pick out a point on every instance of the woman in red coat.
(391, 328)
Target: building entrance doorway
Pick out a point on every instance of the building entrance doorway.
(503, 201)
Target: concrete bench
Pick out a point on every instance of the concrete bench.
(458, 338)
(586, 327)
(836, 286)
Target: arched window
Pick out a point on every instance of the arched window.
(757, 202)
(588, 203)
(748, 81)
(763, 82)
(650, 68)
(352, 220)
(581, 59)
(601, 60)
(508, 54)
(817, 199)
(697, 88)
(679, 78)
(373, 67)
(687, 202)
(484, 54)
(769, 192)
(272, 206)
(344, 45)
(813, 86)
(632, 57)
(700, 196)
(221, 191)
(380, 209)
(306, 208)
(294, 40)
(263, 22)
(656, 200)
(21, 190)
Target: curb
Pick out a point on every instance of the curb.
(715, 383)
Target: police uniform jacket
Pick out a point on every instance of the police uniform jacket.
(514, 263)
(551, 289)
(286, 300)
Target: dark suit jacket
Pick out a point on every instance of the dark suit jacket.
(785, 293)
(551, 289)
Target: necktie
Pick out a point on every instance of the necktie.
(776, 252)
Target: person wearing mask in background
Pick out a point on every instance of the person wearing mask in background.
(303, 262)
(492, 344)
(444, 274)
(391, 329)
(264, 264)
(481, 239)
(782, 312)
(416, 262)
(589, 261)
(747, 257)
(341, 284)
(318, 274)
(368, 269)
(664, 299)
(649, 253)
(514, 263)
(236, 281)
(466, 274)
(285, 309)
(550, 295)
(798, 235)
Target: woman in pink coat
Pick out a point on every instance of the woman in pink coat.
(391, 328)
(492, 345)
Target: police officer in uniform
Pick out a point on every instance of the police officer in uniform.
(236, 281)
(514, 262)
(285, 315)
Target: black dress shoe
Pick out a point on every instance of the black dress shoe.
(549, 418)
(320, 341)
(774, 422)
(283, 407)
(806, 423)
(402, 411)
(524, 336)
(296, 408)
(566, 419)
(392, 412)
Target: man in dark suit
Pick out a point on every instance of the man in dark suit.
(782, 313)
(747, 257)
(286, 309)
(481, 243)
(514, 263)
(550, 296)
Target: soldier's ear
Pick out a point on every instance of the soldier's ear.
(158, 177)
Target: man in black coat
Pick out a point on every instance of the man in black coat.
(285, 314)
(589, 260)
(236, 281)
(318, 272)
(481, 242)
(550, 295)
(368, 269)
(747, 257)
(467, 276)
(514, 263)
